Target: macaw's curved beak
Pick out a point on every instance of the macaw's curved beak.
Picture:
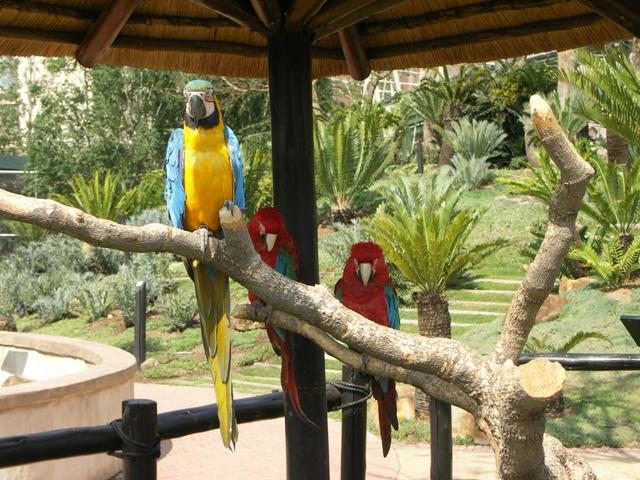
(271, 240)
(196, 108)
(365, 272)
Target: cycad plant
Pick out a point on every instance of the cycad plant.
(424, 233)
(541, 182)
(610, 87)
(443, 99)
(615, 264)
(351, 153)
(613, 199)
(474, 143)
(103, 196)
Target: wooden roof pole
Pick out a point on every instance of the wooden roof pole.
(624, 13)
(234, 11)
(301, 11)
(343, 15)
(354, 54)
(104, 31)
(269, 12)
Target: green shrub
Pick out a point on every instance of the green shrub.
(96, 300)
(103, 260)
(55, 306)
(475, 139)
(179, 309)
(469, 173)
(104, 196)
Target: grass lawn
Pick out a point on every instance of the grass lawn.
(602, 408)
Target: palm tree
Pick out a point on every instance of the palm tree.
(610, 87)
(441, 100)
(352, 152)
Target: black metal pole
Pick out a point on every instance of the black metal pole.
(593, 362)
(353, 461)
(140, 423)
(289, 55)
(140, 323)
(441, 446)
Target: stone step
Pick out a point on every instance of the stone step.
(453, 324)
(481, 292)
(479, 303)
(475, 312)
(504, 281)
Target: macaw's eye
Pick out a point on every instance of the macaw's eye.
(209, 97)
(263, 237)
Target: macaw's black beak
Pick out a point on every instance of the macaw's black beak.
(196, 109)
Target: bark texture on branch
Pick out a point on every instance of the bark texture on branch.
(575, 174)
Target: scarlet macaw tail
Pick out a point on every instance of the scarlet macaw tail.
(387, 409)
(282, 343)
(214, 305)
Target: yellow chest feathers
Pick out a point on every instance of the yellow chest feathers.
(208, 177)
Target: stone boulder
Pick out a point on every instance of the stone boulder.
(622, 295)
(550, 309)
(569, 284)
(7, 324)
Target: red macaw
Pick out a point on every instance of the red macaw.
(365, 288)
(278, 250)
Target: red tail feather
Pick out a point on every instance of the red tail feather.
(387, 412)
(287, 373)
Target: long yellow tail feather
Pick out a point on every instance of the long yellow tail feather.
(214, 305)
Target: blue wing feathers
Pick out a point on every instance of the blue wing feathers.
(174, 177)
(393, 312)
(285, 266)
(236, 163)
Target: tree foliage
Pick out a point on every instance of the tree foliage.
(351, 153)
(424, 233)
(610, 87)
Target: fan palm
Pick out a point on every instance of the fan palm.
(352, 152)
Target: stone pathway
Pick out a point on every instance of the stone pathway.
(478, 463)
(260, 452)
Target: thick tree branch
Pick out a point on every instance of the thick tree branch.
(430, 384)
(447, 359)
(575, 174)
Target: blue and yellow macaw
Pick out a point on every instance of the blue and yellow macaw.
(203, 174)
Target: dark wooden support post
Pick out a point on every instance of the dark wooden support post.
(289, 56)
(140, 323)
(353, 460)
(441, 448)
(140, 424)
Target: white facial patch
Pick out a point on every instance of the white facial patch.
(206, 97)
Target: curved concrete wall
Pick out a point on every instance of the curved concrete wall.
(90, 397)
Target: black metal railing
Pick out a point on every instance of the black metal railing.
(135, 438)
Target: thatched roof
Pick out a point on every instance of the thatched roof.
(229, 37)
